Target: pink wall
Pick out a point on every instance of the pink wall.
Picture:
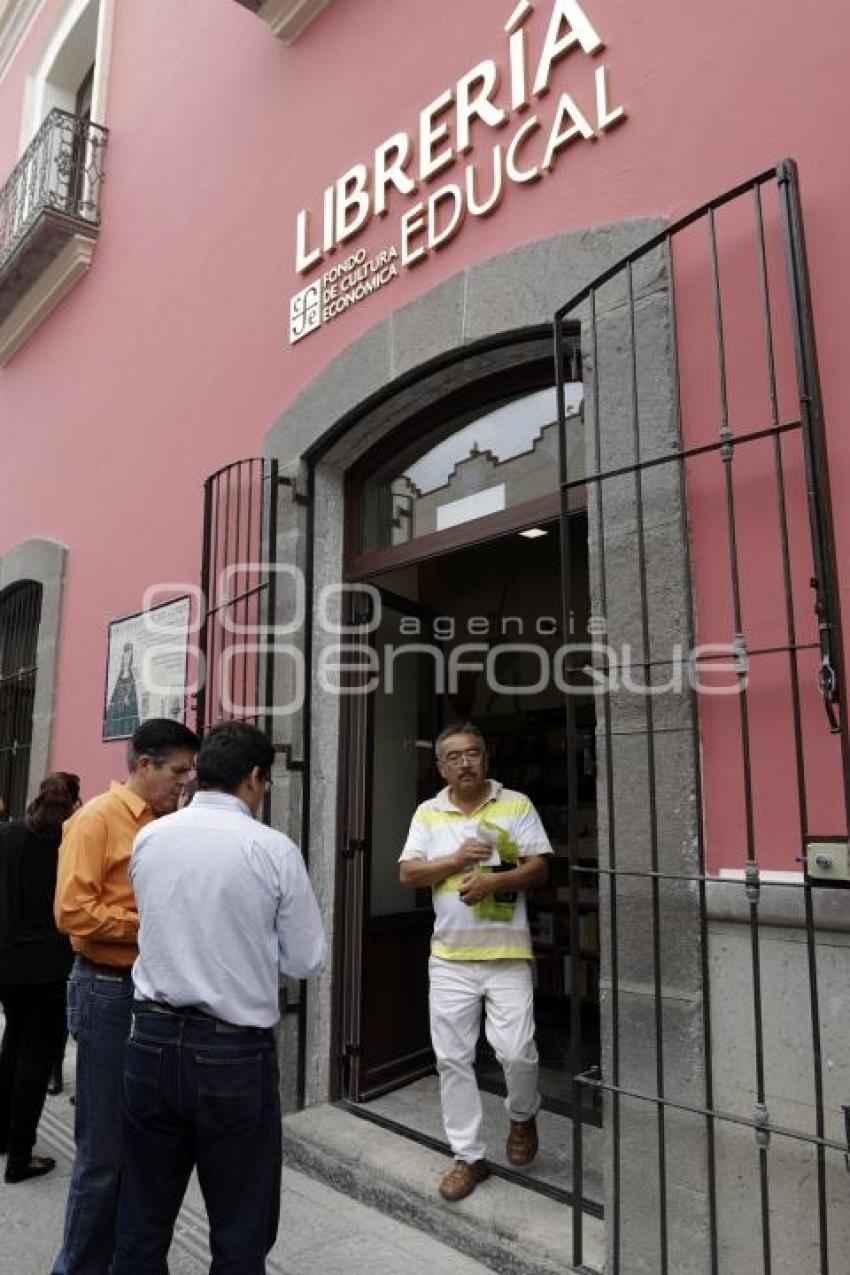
(172, 356)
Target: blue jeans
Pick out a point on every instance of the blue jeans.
(99, 1008)
(199, 1093)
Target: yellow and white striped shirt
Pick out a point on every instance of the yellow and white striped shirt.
(437, 830)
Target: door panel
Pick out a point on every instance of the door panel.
(390, 772)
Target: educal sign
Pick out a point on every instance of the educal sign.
(525, 147)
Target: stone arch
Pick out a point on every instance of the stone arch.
(509, 293)
(360, 397)
(42, 561)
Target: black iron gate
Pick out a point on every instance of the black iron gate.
(254, 639)
(712, 566)
(20, 612)
(238, 583)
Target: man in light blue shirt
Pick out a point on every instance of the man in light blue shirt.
(225, 908)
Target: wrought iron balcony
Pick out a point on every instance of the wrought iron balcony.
(51, 197)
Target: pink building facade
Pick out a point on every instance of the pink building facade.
(335, 238)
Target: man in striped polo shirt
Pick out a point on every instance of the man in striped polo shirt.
(479, 847)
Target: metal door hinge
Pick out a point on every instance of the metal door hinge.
(290, 762)
(297, 496)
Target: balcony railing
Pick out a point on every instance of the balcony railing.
(52, 193)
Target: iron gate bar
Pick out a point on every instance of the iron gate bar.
(590, 1079)
(646, 873)
(810, 426)
(249, 557)
(20, 616)
(274, 485)
(685, 453)
(649, 716)
(726, 455)
(814, 451)
(21, 672)
(661, 240)
(829, 615)
(610, 814)
(257, 591)
(566, 600)
(709, 658)
(705, 971)
(565, 536)
(793, 673)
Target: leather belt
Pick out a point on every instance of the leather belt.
(192, 1011)
(109, 971)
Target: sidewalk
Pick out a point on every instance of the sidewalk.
(320, 1229)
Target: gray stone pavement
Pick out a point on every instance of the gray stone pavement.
(320, 1229)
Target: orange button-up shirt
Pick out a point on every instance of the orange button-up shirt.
(94, 900)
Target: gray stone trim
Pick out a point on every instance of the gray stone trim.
(511, 292)
(416, 354)
(780, 905)
(44, 562)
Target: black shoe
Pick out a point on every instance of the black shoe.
(35, 1168)
(55, 1085)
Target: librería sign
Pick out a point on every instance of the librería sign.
(526, 146)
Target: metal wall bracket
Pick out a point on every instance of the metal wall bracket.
(827, 862)
(298, 497)
(290, 762)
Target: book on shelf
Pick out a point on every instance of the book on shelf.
(588, 978)
(541, 922)
(588, 931)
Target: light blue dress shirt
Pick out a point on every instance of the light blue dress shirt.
(225, 908)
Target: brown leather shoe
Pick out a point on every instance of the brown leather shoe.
(462, 1180)
(521, 1146)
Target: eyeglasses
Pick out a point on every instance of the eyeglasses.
(455, 757)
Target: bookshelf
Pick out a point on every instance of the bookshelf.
(528, 753)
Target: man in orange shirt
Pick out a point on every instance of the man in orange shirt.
(96, 907)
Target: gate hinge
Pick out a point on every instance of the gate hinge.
(350, 1050)
(827, 682)
(290, 762)
(739, 648)
(353, 847)
(752, 882)
(297, 496)
(762, 1131)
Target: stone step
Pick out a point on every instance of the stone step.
(509, 1228)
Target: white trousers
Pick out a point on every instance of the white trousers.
(457, 990)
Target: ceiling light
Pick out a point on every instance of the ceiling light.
(534, 533)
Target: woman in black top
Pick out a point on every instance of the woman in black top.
(35, 960)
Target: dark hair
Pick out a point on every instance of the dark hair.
(57, 799)
(458, 728)
(228, 755)
(157, 738)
